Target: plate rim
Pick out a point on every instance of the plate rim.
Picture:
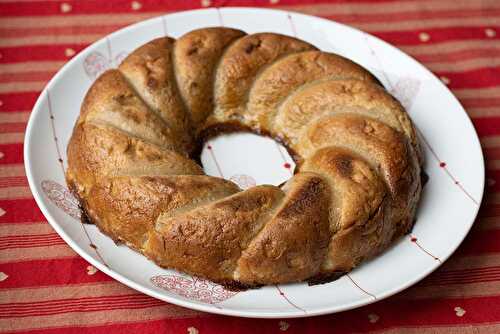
(208, 307)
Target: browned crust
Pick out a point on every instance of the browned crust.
(115, 152)
(264, 235)
(342, 96)
(239, 67)
(208, 240)
(289, 73)
(149, 70)
(196, 55)
(231, 285)
(128, 207)
(358, 195)
(293, 243)
(383, 145)
(112, 101)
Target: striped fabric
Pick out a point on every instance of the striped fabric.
(46, 288)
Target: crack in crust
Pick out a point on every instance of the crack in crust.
(358, 176)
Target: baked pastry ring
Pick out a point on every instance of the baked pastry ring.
(356, 185)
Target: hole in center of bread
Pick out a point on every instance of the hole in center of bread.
(247, 159)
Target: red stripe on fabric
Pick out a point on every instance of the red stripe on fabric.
(213, 324)
(12, 153)
(490, 210)
(480, 242)
(66, 30)
(347, 18)
(26, 76)
(476, 278)
(492, 177)
(30, 237)
(12, 127)
(464, 272)
(58, 52)
(436, 35)
(135, 301)
(84, 308)
(413, 15)
(29, 241)
(13, 181)
(20, 211)
(38, 52)
(149, 327)
(18, 101)
(457, 55)
(480, 102)
(31, 245)
(390, 313)
(464, 280)
(492, 154)
(24, 210)
(20, 245)
(477, 78)
(487, 126)
(464, 276)
(56, 303)
(71, 270)
(89, 7)
(416, 313)
(403, 16)
(121, 6)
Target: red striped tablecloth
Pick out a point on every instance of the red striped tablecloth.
(46, 288)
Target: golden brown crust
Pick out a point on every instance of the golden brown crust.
(284, 76)
(357, 197)
(387, 150)
(126, 208)
(208, 240)
(196, 55)
(239, 67)
(356, 187)
(341, 96)
(293, 243)
(350, 246)
(149, 69)
(382, 146)
(112, 101)
(358, 159)
(114, 152)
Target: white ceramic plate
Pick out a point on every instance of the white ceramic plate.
(451, 199)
